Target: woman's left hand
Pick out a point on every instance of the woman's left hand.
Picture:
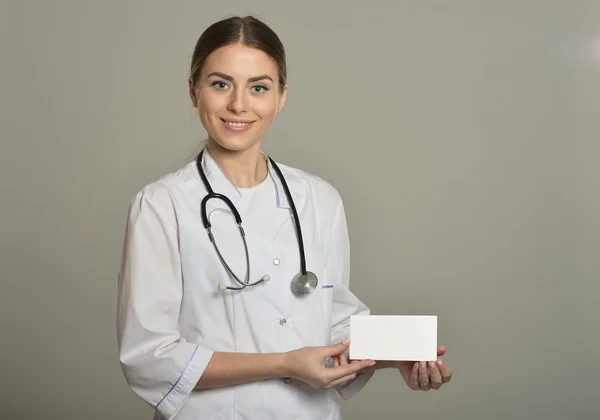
(423, 376)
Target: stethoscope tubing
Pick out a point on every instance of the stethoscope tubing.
(208, 226)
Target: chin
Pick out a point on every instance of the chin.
(235, 142)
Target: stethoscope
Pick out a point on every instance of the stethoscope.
(303, 283)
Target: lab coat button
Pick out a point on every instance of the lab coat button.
(276, 261)
(282, 322)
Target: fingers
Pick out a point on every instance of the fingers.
(336, 361)
(445, 371)
(342, 370)
(413, 380)
(432, 375)
(441, 350)
(435, 375)
(342, 360)
(335, 349)
(424, 376)
(341, 381)
(339, 373)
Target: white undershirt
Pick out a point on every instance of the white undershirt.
(261, 195)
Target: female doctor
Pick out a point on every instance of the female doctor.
(234, 299)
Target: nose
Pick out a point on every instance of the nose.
(237, 101)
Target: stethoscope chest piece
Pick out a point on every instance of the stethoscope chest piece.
(303, 284)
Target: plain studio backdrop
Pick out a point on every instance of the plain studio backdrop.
(462, 135)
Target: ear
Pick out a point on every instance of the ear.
(192, 92)
(282, 99)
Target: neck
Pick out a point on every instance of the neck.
(245, 169)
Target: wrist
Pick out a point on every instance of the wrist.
(283, 365)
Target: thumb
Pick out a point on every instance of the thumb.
(336, 349)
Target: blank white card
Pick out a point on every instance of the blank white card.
(393, 337)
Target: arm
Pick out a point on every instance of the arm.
(160, 365)
(306, 364)
(226, 369)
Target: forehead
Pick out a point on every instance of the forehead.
(240, 61)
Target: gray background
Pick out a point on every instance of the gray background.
(462, 135)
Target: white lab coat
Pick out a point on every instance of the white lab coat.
(172, 317)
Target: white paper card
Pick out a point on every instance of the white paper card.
(393, 337)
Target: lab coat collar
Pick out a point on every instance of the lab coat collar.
(220, 183)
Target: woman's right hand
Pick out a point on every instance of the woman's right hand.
(308, 365)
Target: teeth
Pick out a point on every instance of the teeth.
(237, 124)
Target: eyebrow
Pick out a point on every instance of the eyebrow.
(250, 80)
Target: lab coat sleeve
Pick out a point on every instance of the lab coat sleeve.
(345, 303)
(158, 363)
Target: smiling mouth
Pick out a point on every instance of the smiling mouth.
(238, 124)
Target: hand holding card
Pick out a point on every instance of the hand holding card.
(404, 342)
(397, 337)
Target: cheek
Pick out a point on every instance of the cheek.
(266, 110)
(210, 104)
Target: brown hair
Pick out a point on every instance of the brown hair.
(247, 31)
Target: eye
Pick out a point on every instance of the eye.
(220, 85)
(259, 89)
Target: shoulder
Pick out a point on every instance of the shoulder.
(164, 191)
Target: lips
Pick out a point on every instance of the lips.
(236, 125)
(235, 120)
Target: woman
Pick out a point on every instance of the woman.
(197, 342)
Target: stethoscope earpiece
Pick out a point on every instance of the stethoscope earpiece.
(303, 283)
